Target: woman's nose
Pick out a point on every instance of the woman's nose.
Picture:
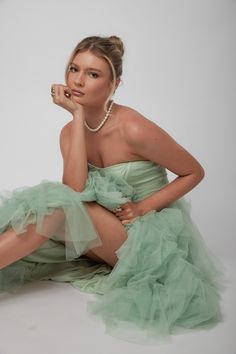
(79, 79)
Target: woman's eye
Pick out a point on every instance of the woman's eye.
(94, 75)
(72, 68)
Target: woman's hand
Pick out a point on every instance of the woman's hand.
(128, 212)
(62, 96)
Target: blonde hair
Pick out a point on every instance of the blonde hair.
(110, 48)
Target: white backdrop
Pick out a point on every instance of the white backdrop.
(179, 71)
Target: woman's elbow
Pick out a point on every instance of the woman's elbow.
(75, 186)
(199, 174)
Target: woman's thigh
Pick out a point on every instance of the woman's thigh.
(111, 231)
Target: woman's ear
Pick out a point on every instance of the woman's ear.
(117, 82)
(116, 85)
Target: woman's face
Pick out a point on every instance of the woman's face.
(92, 76)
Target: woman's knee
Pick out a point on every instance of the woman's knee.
(90, 254)
(112, 233)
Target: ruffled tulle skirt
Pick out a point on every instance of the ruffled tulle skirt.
(165, 279)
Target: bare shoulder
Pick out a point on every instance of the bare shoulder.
(133, 124)
(149, 140)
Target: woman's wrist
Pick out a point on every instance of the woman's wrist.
(143, 207)
(78, 115)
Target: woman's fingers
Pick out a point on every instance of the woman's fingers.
(125, 215)
(67, 93)
(52, 91)
(63, 93)
(60, 91)
(122, 215)
(127, 221)
(62, 96)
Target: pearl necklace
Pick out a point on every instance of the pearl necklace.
(102, 122)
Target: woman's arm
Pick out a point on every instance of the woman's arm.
(73, 149)
(72, 139)
(153, 143)
(169, 193)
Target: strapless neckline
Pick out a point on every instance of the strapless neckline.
(118, 164)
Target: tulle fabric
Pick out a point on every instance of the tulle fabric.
(165, 279)
(59, 212)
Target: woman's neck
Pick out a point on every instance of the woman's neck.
(94, 114)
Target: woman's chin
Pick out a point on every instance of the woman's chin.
(78, 99)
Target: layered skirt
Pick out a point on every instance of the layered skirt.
(166, 280)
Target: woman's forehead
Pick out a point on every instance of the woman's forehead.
(88, 59)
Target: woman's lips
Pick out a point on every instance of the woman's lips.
(77, 93)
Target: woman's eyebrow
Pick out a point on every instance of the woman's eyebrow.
(88, 68)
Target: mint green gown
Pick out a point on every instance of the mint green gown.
(166, 279)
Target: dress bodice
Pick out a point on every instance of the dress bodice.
(146, 177)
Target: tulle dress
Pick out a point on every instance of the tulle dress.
(165, 281)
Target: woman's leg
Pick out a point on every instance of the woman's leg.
(111, 231)
(14, 247)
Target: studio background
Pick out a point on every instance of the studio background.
(178, 70)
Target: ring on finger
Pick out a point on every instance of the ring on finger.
(52, 91)
(67, 94)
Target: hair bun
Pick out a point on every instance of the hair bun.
(118, 43)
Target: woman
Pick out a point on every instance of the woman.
(116, 226)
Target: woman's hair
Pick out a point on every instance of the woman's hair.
(110, 48)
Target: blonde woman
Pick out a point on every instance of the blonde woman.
(115, 226)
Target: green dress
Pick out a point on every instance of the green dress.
(166, 280)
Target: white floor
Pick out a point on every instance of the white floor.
(49, 317)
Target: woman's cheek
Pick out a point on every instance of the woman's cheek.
(97, 92)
